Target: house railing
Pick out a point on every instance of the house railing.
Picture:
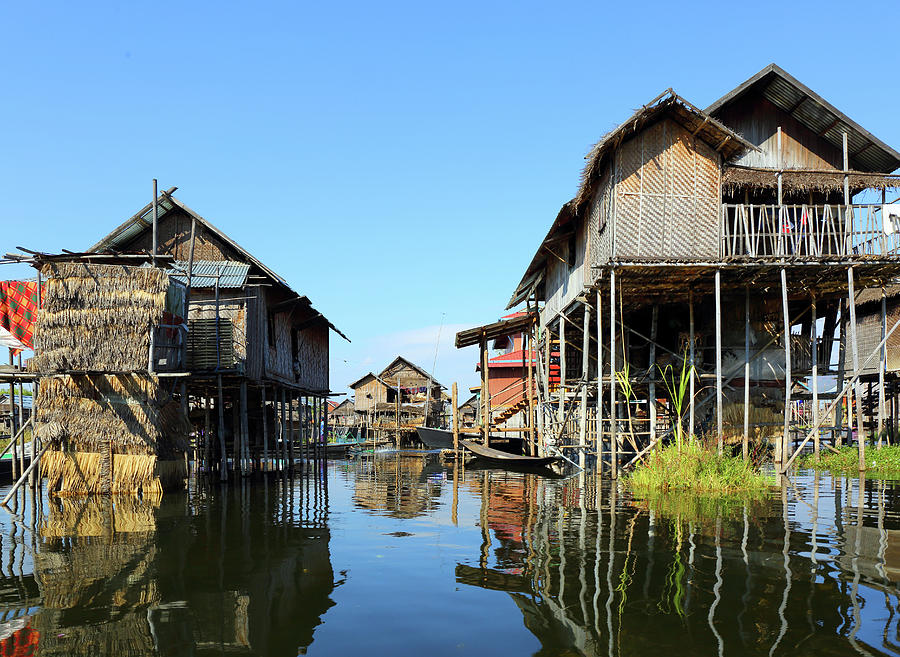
(807, 231)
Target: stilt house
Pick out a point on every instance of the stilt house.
(726, 240)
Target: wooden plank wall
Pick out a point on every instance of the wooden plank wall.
(757, 120)
(313, 356)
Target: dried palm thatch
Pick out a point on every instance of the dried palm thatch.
(92, 473)
(737, 178)
(129, 413)
(98, 317)
(769, 422)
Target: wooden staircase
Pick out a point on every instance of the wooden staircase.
(510, 411)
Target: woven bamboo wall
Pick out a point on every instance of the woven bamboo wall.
(667, 196)
(600, 222)
(868, 331)
(233, 309)
(174, 237)
(313, 357)
(368, 394)
(565, 280)
(279, 364)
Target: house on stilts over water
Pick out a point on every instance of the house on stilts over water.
(729, 243)
(166, 346)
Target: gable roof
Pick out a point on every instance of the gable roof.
(866, 151)
(412, 365)
(722, 138)
(143, 220)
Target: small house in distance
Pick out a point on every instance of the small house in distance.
(398, 399)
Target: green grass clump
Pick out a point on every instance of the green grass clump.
(884, 462)
(696, 468)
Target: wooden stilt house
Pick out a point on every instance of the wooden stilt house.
(725, 242)
(253, 345)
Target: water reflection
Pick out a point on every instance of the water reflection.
(594, 573)
(440, 558)
(242, 570)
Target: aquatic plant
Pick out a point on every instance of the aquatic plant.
(677, 392)
(697, 468)
(623, 376)
(884, 462)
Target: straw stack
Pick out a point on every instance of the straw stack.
(98, 317)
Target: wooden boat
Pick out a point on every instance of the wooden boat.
(443, 438)
(339, 449)
(505, 457)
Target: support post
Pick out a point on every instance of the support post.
(485, 393)
(290, 445)
(881, 370)
(599, 383)
(838, 437)
(745, 440)
(585, 365)
(654, 320)
(454, 402)
(155, 222)
(785, 444)
(854, 351)
(814, 347)
(692, 347)
(613, 438)
(223, 454)
(265, 428)
(720, 435)
(529, 353)
(245, 430)
(561, 410)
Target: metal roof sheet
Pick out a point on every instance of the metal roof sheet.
(867, 152)
(205, 272)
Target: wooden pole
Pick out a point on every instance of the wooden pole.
(585, 364)
(854, 351)
(284, 436)
(529, 353)
(245, 429)
(881, 370)
(397, 414)
(745, 440)
(838, 437)
(13, 428)
(265, 428)
(155, 222)
(223, 454)
(613, 438)
(654, 320)
(236, 438)
(784, 445)
(692, 347)
(561, 411)
(599, 383)
(485, 393)
(454, 402)
(814, 346)
(720, 434)
(207, 423)
(291, 429)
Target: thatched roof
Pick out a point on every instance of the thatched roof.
(668, 104)
(873, 294)
(738, 177)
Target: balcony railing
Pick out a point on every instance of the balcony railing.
(806, 232)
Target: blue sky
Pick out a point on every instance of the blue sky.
(396, 162)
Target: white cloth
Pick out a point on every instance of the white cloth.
(8, 340)
(890, 218)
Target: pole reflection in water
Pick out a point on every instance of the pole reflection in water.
(401, 554)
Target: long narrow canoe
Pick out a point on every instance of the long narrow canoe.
(505, 457)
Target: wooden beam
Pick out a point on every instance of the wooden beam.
(613, 446)
(720, 435)
(745, 440)
(784, 444)
(854, 352)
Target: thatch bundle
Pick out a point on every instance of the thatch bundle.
(92, 473)
(98, 317)
(132, 412)
(737, 178)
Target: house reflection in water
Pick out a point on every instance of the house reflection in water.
(593, 572)
(399, 485)
(241, 570)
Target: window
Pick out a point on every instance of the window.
(271, 329)
(570, 258)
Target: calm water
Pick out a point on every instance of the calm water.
(404, 556)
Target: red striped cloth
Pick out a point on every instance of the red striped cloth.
(18, 309)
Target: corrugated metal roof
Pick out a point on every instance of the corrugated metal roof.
(867, 152)
(204, 273)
